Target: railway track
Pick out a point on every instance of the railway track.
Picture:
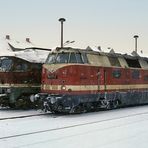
(23, 116)
(75, 125)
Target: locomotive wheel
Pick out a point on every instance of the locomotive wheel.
(21, 104)
(108, 105)
(79, 109)
(89, 107)
(59, 109)
(12, 105)
(115, 104)
(112, 105)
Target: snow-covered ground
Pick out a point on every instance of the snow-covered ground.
(124, 128)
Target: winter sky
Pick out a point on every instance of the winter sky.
(105, 23)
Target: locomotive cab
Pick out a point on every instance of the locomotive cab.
(61, 67)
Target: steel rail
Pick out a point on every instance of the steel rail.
(23, 116)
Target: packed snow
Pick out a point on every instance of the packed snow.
(9, 45)
(126, 127)
(28, 51)
(32, 55)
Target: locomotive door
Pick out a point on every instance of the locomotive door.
(127, 76)
(101, 79)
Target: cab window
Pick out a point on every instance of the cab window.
(51, 59)
(5, 64)
(73, 58)
(62, 58)
(79, 58)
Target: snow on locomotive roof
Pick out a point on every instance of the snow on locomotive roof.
(24, 50)
(30, 55)
(20, 44)
(7, 44)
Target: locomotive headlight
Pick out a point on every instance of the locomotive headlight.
(32, 98)
(35, 97)
(63, 87)
(8, 90)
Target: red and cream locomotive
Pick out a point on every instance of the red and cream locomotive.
(20, 77)
(75, 80)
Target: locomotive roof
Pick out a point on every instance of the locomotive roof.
(7, 45)
(90, 51)
(23, 50)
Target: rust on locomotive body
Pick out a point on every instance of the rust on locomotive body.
(76, 80)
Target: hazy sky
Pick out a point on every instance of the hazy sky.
(105, 23)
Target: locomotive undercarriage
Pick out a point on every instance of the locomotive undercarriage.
(88, 103)
(75, 103)
(18, 98)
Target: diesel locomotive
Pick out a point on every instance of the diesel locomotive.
(20, 77)
(77, 80)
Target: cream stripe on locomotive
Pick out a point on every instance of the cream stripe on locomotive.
(19, 85)
(93, 87)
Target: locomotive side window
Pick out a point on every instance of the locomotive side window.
(133, 63)
(116, 73)
(114, 61)
(93, 59)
